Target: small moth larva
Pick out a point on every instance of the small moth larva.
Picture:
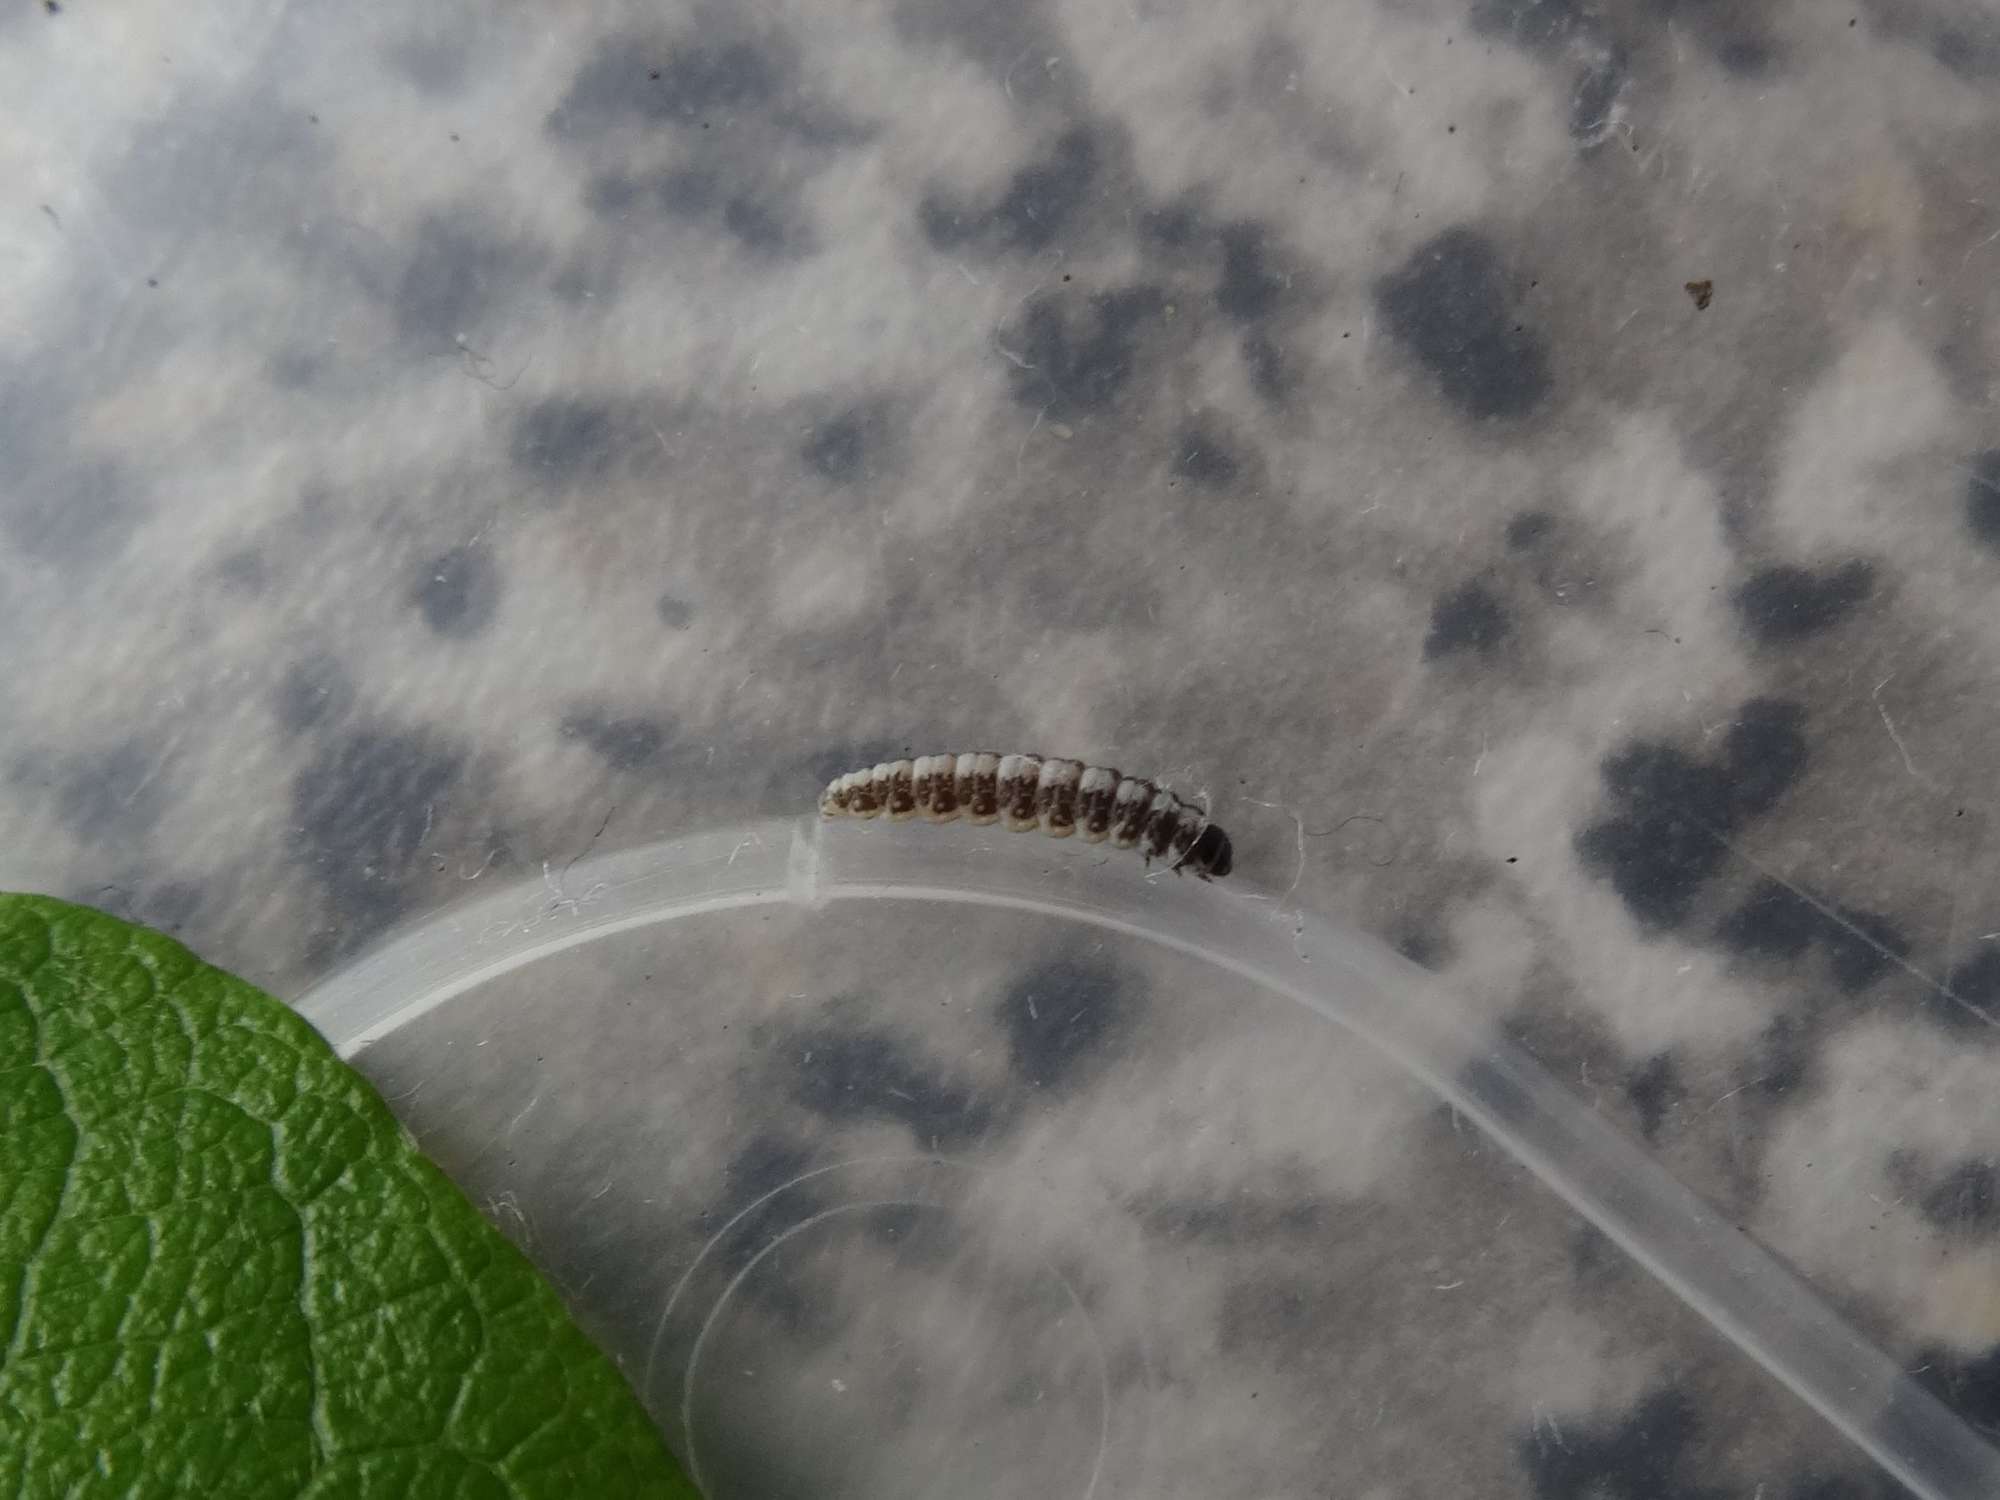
(1060, 797)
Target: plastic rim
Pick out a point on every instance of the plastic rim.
(1343, 975)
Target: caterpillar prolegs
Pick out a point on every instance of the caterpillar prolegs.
(1060, 797)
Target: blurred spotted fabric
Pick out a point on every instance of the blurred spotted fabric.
(1531, 465)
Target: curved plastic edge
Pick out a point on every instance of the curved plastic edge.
(1348, 977)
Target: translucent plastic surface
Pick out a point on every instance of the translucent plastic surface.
(917, 900)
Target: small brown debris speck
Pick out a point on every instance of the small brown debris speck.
(1702, 292)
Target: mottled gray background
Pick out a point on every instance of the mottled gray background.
(436, 441)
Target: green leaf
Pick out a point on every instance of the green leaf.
(226, 1271)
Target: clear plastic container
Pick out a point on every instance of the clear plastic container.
(898, 1161)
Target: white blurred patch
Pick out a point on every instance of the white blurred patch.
(1889, 1085)
(1638, 486)
(1844, 480)
(826, 588)
(1567, 1364)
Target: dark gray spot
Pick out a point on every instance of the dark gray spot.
(1671, 836)
(296, 369)
(1966, 1200)
(1529, 529)
(895, 1223)
(1969, 1384)
(675, 613)
(1775, 921)
(314, 692)
(700, 196)
(1982, 498)
(1784, 1058)
(1654, 1087)
(689, 194)
(1063, 1018)
(1249, 288)
(244, 571)
(1977, 986)
(814, 124)
(1448, 305)
(1203, 457)
(757, 226)
(695, 80)
(762, 1195)
(437, 67)
(362, 810)
(1271, 374)
(947, 226)
(70, 513)
(1469, 618)
(761, 1168)
(1044, 196)
(611, 195)
(1424, 950)
(836, 450)
(1863, 949)
(1745, 56)
(623, 744)
(1659, 857)
(1648, 1454)
(1592, 1256)
(457, 271)
(1038, 204)
(1772, 922)
(458, 592)
(1596, 93)
(1234, 1220)
(629, 81)
(1174, 226)
(1273, 1313)
(1081, 366)
(1968, 53)
(565, 438)
(1788, 603)
(108, 796)
(863, 1074)
(1763, 754)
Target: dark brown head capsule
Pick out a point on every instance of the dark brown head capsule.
(1210, 856)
